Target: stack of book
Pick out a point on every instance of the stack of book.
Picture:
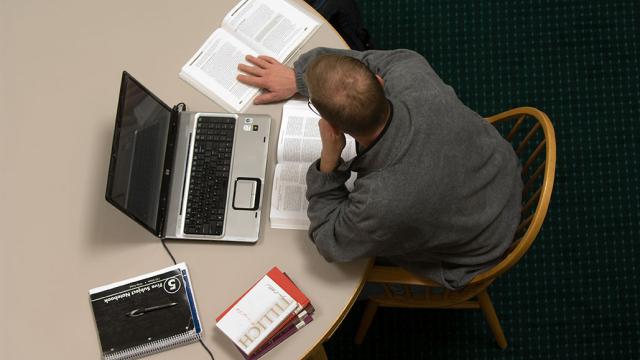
(269, 312)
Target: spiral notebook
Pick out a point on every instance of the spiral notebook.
(146, 314)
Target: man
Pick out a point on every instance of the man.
(438, 188)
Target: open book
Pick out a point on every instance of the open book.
(299, 145)
(253, 27)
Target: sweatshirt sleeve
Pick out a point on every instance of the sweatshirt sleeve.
(337, 216)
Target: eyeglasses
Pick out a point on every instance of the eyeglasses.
(313, 108)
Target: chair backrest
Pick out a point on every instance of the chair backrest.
(531, 133)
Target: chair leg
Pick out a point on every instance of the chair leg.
(365, 322)
(490, 314)
(317, 353)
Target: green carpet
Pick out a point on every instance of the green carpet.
(575, 294)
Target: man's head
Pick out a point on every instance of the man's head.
(347, 94)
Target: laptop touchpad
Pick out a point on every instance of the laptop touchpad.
(246, 194)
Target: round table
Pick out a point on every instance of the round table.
(61, 65)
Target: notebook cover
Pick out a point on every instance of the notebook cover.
(147, 313)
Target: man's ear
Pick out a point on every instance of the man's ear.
(380, 80)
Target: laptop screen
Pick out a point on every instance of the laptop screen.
(138, 153)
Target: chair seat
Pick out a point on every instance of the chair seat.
(534, 143)
(431, 294)
(394, 274)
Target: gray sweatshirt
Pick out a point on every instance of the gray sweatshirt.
(438, 193)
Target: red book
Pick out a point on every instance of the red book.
(287, 285)
(279, 279)
(293, 326)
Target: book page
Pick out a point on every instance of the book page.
(299, 139)
(288, 199)
(213, 70)
(288, 196)
(273, 27)
(299, 145)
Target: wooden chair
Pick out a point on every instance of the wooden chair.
(531, 133)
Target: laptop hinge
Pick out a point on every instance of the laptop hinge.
(168, 166)
(179, 107)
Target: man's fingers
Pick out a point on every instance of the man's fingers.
(328, 128)
(251, 80)
(269, 59)
(257, 61)
(251, 70)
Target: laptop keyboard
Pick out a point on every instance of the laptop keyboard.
(209, 179)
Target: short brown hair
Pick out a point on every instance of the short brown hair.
(346, 93)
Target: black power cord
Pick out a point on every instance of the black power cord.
(169, 252)
(164, 244)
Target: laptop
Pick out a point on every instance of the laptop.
(187, 175)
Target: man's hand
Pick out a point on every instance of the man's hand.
(267, 73)
(333, 142)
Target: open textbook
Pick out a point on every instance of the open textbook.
(299, 145)
(275, 28)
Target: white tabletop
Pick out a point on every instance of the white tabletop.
(61, 63)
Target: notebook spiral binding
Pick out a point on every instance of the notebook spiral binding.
(154, 346)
